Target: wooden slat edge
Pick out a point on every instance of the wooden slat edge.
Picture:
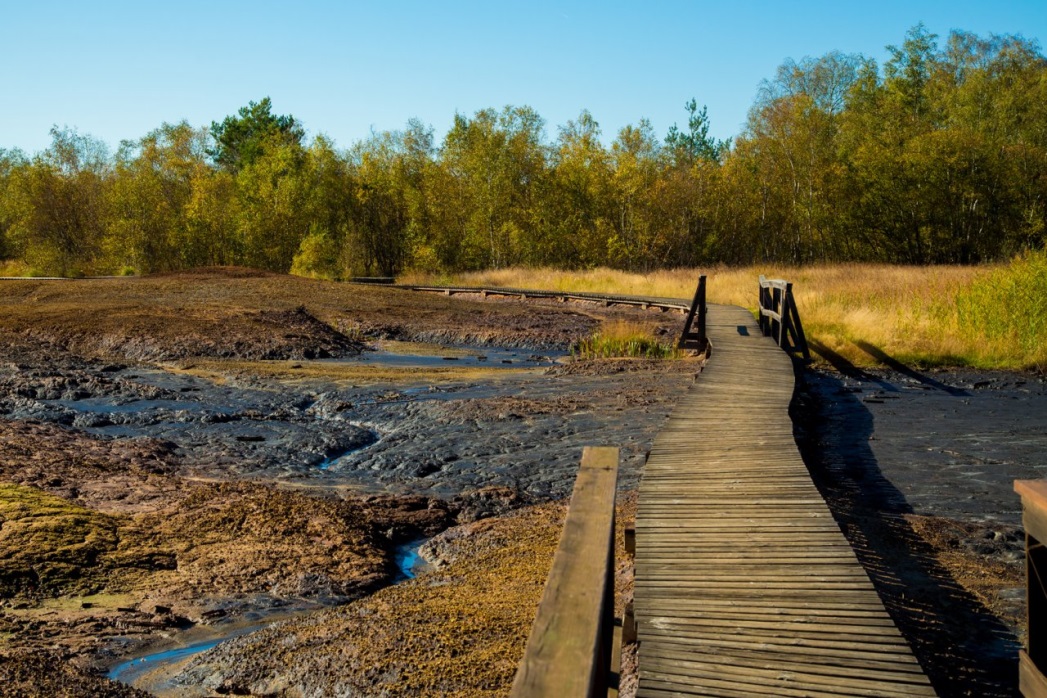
(1034, 503)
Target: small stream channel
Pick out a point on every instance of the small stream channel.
(408, 563)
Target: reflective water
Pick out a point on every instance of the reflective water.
(409, 565)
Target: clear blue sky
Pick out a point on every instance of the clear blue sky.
(119, 69)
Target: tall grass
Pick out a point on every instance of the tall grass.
(1007, 311)
(989, 316)
(618, 338)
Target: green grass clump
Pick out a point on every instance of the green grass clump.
(623, 339)
(1007, 310)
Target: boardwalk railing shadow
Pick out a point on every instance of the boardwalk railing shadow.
(962, 646)
(895, 365)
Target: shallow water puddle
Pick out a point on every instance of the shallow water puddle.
(409, 565)
(466, 356)
(128, 672)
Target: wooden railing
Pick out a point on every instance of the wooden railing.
(1032, 664)
(571, 648)
(779, 317)
(694, 328)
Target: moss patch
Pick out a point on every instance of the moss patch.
(49, 545)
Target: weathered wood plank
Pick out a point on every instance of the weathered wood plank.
(564, 652)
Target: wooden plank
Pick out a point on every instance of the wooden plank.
(564, 654)
(1034, 506)
(1032, 683)
(784, 678)
(786, 652)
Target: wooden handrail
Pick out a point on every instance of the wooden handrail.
(569, 651)
(1032, 665)
(779, 317)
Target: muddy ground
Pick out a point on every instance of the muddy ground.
(196, 454)
(189, 455)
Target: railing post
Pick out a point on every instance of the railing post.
(702, 310)
(778, 317)
(1032, 664)
(697, 311)
(763, 305)
(787, 298)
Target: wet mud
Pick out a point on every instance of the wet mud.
(918, 468)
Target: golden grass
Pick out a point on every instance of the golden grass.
(866, 314)
(621, 338)
(14, 267)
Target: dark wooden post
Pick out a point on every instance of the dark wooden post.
(763, 305)
(1032, 664)
(695, 338)
(783, 326)
(797, 329)
(702, 310)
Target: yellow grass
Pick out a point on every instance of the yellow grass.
(867, 314)
(621, 338)
(13, 267)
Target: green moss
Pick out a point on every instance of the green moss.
(50, 546)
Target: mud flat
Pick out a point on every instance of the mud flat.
(195, 459)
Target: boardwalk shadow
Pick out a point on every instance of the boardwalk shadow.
(841, 364)
(963, 647)
(895, 365)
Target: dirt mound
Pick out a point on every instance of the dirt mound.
(112, 521)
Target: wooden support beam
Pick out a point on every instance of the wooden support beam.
(568, 652)
(693, 335)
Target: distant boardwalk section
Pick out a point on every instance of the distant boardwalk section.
(745, 585)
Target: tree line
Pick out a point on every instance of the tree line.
(937, 156)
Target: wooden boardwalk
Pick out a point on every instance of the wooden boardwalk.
(745, 585)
